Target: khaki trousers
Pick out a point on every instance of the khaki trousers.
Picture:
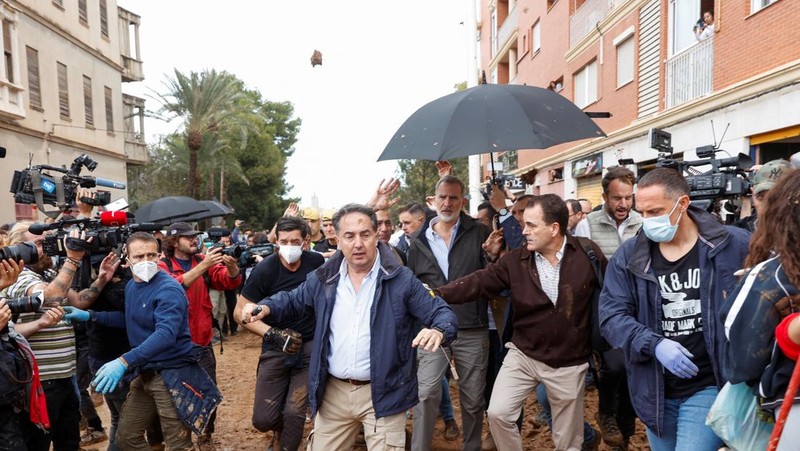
(345, 409)
(517, 379)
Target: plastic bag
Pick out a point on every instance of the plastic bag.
(734, 417)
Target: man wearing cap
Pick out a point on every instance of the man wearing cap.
(763, 181)
(197, 274)
(329, 245)
(311, 215)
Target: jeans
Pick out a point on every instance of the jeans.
(209, 363)
(446, 406)
(685, 424)
(589, 433)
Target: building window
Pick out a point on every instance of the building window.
(536, 33)
(63, 91)
(59, 3)
(585, 82)
(758, 5)
(7, 51)
(494, 32)
(109, 111)
(625, 62)
(34, 89)
(87, 101)
(104, 18)
(83, 16)
(556, 85)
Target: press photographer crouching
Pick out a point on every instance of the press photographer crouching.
(52, 339)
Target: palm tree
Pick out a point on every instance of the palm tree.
(208, 102)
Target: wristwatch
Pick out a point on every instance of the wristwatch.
(502, 211)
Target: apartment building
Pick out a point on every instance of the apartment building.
(641, 61)
(61, 91)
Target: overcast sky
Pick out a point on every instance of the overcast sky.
(381, 61)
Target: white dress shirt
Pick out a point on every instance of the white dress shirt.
(350, 338)
(549, 274)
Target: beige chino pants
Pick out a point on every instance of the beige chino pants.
(345, 409)
(517, 379)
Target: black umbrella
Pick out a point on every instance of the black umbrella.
(489, 118)
(215, 209)
(169, 209)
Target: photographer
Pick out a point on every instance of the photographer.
(14, 368)
(197, 274)
(51, 338)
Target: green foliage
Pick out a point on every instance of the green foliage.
(247, 149)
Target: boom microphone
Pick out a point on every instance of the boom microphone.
(38, 228)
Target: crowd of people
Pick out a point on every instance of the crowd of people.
(656, 303)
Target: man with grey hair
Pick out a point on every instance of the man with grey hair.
(366, 305)
(449, 246)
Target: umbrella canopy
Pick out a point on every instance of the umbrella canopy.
(169, 209)
(489, 118)
(215, 209)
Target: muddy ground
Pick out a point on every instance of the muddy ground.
(236, 369)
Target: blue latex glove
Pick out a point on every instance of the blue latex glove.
(108, 376)
(75, 314)
(676, 358)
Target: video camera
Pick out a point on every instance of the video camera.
(727, 178)
(34, 186)
(248, 257)
(214, 234)
(108, 232)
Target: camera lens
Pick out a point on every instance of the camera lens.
(26, 252)
(24, 304)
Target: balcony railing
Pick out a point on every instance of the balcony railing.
(507, 29)
(690, 73)
(585, 19)
(133, 69)
(135, 152)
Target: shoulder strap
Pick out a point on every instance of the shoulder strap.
(586, 244)
(168, 261)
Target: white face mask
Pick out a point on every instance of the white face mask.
(290, 253)
(145, 270)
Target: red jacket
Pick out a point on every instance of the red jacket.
(199, 301)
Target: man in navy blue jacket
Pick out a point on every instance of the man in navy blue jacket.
(156, 318)
(366, 305)
(660, 302)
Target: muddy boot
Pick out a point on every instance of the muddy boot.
(205, 443)
(451, 430)
(609, 430)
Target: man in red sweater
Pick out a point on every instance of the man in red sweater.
(197, 274)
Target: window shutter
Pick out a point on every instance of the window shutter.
(109, 110)
(34, 89)
(104, 18)
(7, 51)
(63, 91)
(87, 101)
(82, 15)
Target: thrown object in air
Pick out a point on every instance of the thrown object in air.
(316, 58)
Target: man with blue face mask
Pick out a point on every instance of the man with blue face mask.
(662, 292)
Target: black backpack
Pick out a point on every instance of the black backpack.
(598, 342)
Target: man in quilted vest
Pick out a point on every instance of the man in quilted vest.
(609, 227)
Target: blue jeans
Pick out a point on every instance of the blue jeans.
(446, 405)
(685, 424)
(589, 433)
